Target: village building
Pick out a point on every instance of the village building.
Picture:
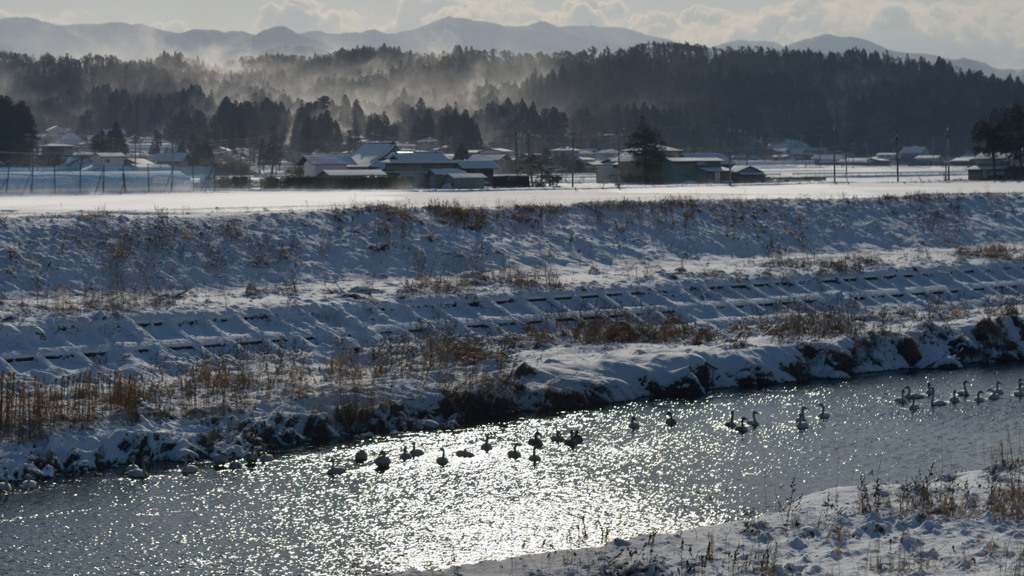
(105, 160)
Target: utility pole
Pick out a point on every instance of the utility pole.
(947, 154)
(835, 179)
(572, 156)
(896, 138)
(729, 146)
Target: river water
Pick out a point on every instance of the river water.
(289, 516)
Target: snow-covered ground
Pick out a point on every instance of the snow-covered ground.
(242, 320)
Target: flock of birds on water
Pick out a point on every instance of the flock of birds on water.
(906, 398)
(572, 439)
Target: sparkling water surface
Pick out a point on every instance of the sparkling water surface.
(289, 516)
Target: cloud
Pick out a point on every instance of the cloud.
(308, 15)
(985, 30)
(171, 25)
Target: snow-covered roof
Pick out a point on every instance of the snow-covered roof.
(478, 164)
(371, 154)
(326, 160)
(354, 173)
(489, 156)
(419, 158)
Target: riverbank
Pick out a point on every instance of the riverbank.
(928, 525)
(158, 335)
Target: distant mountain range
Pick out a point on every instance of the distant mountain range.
(34, 37)
(828, 43)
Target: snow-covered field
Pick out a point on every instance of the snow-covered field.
(248, 320)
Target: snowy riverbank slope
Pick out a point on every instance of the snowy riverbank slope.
(968, 524)
(233, 330)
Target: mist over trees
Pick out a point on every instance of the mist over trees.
(734, 100)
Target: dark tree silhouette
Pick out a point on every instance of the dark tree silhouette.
(17, 132)
(648, 150)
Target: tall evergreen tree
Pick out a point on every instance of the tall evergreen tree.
(17, 132)
(648, 150)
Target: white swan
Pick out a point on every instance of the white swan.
(415, 452)
(187, 467)
(442, 460)
(731, 422)
(558, 437)
(382, 462)
(266, 457)
(633, 424)
(514, 452)
(405, 454)
(979, 399)
(742, 428)
(670, 420)
(574, 439)
(28, 483)
(902, 400)
(802, 416)
(916, 395)
(334, 470)
(486, 446)
(1019, 392)
(998, 390)
(913, 405)
(964, 393)
(361, 456)
(5, 484)
(536, 441)
(955, 398)
(823, 415)
(934, 403)
(136, 472)
(753, 423)
(535, 458)
(464, 453)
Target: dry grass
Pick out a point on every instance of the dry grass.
(800, 320)
(994, 251)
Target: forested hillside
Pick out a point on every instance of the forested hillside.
(698, 98)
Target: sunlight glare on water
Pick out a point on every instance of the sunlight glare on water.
(289, 516)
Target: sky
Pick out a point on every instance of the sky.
(984, 30)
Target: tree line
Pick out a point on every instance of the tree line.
(698, 98)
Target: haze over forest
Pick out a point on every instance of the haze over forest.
(734, 99)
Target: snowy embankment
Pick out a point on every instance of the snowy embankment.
(228, 332)
(970, 524)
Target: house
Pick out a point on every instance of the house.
(373, 154)
(416, 166)
(175, 158)
(698, 169)
(485, 167)
(56, 153)
(314, 164)
(428, 144)
(454, 178)
(927, 160)
(353, 178)
(106, 160)
(747, 175)
(908, 153)
(606, 169)
(986, 171)
(504, 159)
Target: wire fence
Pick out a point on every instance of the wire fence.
(97, 180)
